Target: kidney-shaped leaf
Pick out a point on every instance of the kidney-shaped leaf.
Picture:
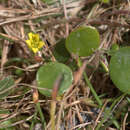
(120, 69)
(48, 74)
(83, 41)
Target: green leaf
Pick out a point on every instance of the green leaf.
(19, 72)
(105, 1)
(114, 49)
(83, 41)
(60, 52)
(48, 74)
(4, 85)
(120, 69)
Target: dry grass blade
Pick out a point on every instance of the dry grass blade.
(4, 54)
(54, 20)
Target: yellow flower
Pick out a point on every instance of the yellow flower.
(34, 42)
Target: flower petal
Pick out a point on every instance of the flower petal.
(35, 50)
(29, 43)
(34, 42)
(41, 44)
(37, 37)
(30, 35)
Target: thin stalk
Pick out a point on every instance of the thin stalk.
(92, 89)
(41, 114)
(90, 85)
(53, 102)
(52, 113)
(104, 66)
(33, 121)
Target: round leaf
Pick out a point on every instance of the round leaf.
(120, 69)
(48, 74)
(83, 41)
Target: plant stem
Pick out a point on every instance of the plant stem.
(90, 85)
(41, 114)
(92, 89)
(34, 119)
(52, 113)
(104, 66)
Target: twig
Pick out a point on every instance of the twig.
(66, 17)
(99, 115)
(4, 54)
(124, 121)
(108, 22)
(31, 16)
(18, 122)
(117, 12)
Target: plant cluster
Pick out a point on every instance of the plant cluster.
(66, 69)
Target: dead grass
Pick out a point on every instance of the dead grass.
(54, 22)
